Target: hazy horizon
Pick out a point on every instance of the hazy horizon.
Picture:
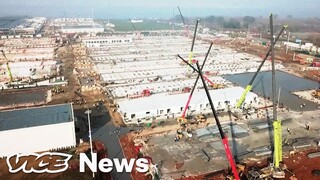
(159, 9)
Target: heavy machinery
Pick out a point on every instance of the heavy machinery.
(222, 134)
(276, 168)
(316, 93)
(7, 64)
(277, 171)
(240, 168)
(179, 135)
(200, 118)
(181, 121)
(195, 83)
(217, 86)
(144, 93)
(57, 90)
(192, 45)
(134, 27)
(184, 23)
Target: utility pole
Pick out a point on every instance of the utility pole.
(90, 135)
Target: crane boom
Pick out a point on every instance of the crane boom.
(223, 136)
(132, 25)
(192, 45)
(7, 64)
(249, 86)
(195, 83)
(184, 22)
(276, 122)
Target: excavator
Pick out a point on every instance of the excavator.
(316, 93)
(196, 120)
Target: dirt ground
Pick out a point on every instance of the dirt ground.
(280, 55)
(299, 164)
(128, 150)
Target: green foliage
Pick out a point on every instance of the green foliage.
(232, 24)
(248, 20)
(125, 25)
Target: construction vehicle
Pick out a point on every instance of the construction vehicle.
(217, 86)
(222, 134)
(240, 168)
(184, 23)
(196, 81)
(316, 93)
(137, 33)
(181, 120)
(8, 67)
(57, 90)
(144, 93)
(277, 170)
(179, 135)
(200, 119)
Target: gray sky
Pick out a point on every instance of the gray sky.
(158, 8)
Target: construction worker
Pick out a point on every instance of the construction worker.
(289, 131)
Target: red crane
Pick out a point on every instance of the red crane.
(195, 84)
(186, 28)
(223, 136)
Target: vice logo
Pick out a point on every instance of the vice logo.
(48, 162)
(54, 162)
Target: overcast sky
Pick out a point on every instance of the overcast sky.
(158, 8)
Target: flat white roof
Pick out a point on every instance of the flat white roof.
(164, 101)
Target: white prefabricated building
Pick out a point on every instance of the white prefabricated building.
(167, 105)
(37, 129)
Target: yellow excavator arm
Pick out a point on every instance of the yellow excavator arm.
(9, 71)
(7, 64)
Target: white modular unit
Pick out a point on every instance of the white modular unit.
(37, 129)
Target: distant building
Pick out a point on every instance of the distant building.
(37, 129)
(30, 26)
(101, 41)
(164, 105)
(71, 29)
(137, 21)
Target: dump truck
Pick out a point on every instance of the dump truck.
(200, 118)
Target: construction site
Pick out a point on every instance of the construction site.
(196, 105)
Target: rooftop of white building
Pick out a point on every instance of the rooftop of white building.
(164, 101)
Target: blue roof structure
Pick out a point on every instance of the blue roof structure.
(37, 116)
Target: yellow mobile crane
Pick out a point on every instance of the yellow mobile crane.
(7, 64)
(277, 171)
